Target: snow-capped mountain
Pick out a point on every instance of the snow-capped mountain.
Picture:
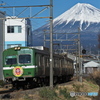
(82, 15)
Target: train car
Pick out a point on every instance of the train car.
(28, 66)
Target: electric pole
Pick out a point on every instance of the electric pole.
(51, 43)
(80, 62)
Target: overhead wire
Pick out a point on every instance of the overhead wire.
(33, 22)
(16, 19)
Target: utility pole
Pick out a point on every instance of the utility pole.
(77, 69)
(79, 50)
(51, 43)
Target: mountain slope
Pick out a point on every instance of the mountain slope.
(80, 12)
(82, 15)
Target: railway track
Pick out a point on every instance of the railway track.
(9, 94)
(6, 91)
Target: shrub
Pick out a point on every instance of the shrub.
(47, 93)
(66, 94)
(96, 77)
(77, 87)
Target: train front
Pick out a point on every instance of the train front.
(18, 65)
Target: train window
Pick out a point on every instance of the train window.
(65, 63)
(47, 61)
(10, 61)
(40, 60)
(25, 58)
(68, 63)
(56, 62)
(43, 63)
(37, 60)
(62, 63)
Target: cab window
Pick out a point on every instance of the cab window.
(9, 60)
(24, 58)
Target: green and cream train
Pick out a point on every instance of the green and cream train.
(28, 66)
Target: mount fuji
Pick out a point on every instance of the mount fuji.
(82, 15)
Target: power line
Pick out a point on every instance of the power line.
(26, 6)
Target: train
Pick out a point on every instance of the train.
(30, 66)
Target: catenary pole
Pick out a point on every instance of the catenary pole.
(51, 43)
(80, 62)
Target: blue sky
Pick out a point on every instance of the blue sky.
(60, 6)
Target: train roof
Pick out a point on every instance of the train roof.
(40, 48)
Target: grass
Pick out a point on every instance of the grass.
(47, 93)
(62, 92)
(55, 94)
(66, 94)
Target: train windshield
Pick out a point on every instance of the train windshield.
(11, 61)
(24, 59)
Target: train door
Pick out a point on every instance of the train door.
(38, 62)
(40, 59)
(47, 66)
(56, 66)
(43, 65)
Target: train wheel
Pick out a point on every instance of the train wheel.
(15, 86)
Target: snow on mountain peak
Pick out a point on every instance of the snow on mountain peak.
(80, 12)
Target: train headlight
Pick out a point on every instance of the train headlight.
(17, 48)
